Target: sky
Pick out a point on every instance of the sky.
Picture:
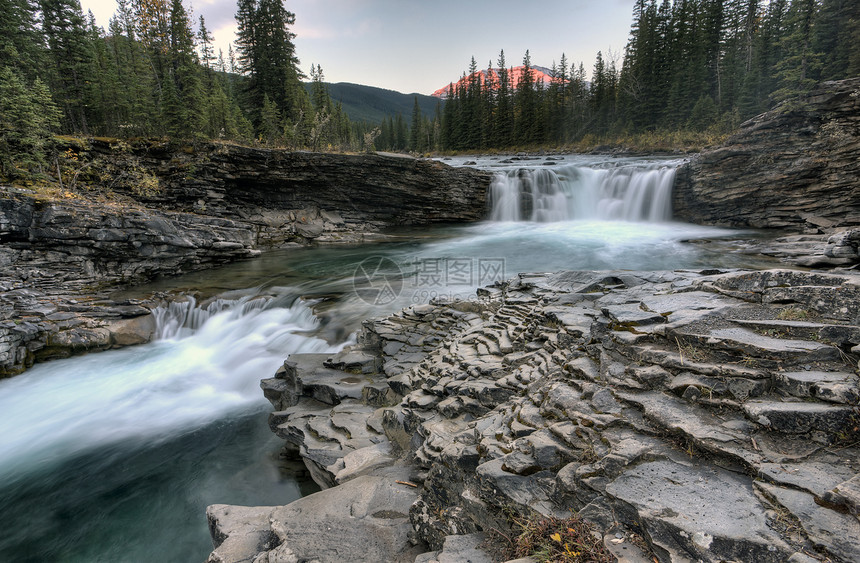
(416, 46)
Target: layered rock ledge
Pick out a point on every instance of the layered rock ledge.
(152, 210)
(792, 168)
(704, 416)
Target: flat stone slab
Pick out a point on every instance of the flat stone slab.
(632, 314)
(846, 494)
(729, 435)
(365, 519)
(459, 549)
(838, 533)
(754, 344)
(364, 460)
(837, 387)
(817, 477)
(799, 417)
(699, 512)
(239, 532)
(325, 384)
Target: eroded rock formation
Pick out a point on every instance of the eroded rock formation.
(712, 416)
(795, 168)
(153, 210)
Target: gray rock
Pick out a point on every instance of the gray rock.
(699, 512)
(365, 519)
(459, 549)
(239, 532)
(797, 418)
(836, 533)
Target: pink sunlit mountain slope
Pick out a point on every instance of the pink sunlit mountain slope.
(541, 76)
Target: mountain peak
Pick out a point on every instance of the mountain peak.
(540, 75)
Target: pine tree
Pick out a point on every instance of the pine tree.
(105, 91)
(20, 41)
(400, 135)
(504, 125)
(207, 51)
(267, 56)
(270, 122)
(527, 126)
(837, 37)
(137, 83)
(27, 117)
(415, 129)
(184, 71)
(71, 60)
(798, 67)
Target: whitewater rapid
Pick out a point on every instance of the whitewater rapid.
(206, 365)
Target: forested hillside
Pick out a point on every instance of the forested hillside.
(690, 66)
(154, 72)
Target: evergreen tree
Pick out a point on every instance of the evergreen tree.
(27, 117)
(833, 35)
(415, 130)
(270, 122)
(105, 91)
(267, 56)
(20, 41)
(184, 71)
(504, 122)
(799, 65)
(71, 59)
(527, 125)
(400, 136)
(207, 51)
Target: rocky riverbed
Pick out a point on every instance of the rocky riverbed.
(153, 210)
(707, 415)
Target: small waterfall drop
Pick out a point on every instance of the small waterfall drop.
(204, 365)
(624, 193)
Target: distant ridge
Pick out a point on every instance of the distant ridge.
(540, 74)
(372, 104)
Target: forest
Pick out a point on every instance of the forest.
(695, 66)
(700, 66)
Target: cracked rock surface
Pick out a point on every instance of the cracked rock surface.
(709, 416)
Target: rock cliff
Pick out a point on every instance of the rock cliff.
(154, 209)
(793, 168)
(706, 416)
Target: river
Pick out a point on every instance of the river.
(115, 456)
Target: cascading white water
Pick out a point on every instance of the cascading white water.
(207, 365)
(624, 193)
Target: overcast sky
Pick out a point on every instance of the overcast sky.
(420, 46)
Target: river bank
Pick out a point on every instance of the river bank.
(615, 378)
(698, 415)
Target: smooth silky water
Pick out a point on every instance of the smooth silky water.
(114, 456)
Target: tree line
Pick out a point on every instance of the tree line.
(694, 65)
(155, 72)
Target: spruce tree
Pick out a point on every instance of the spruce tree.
(28, 116)
(71, 60)
(504, 125)
(267, 56)
(527, 127)
(185, 72)
(798, 67)
(20, 41)
(415, 129)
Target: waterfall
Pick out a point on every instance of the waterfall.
(182, 318)
(206, 365)
(640, 192)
